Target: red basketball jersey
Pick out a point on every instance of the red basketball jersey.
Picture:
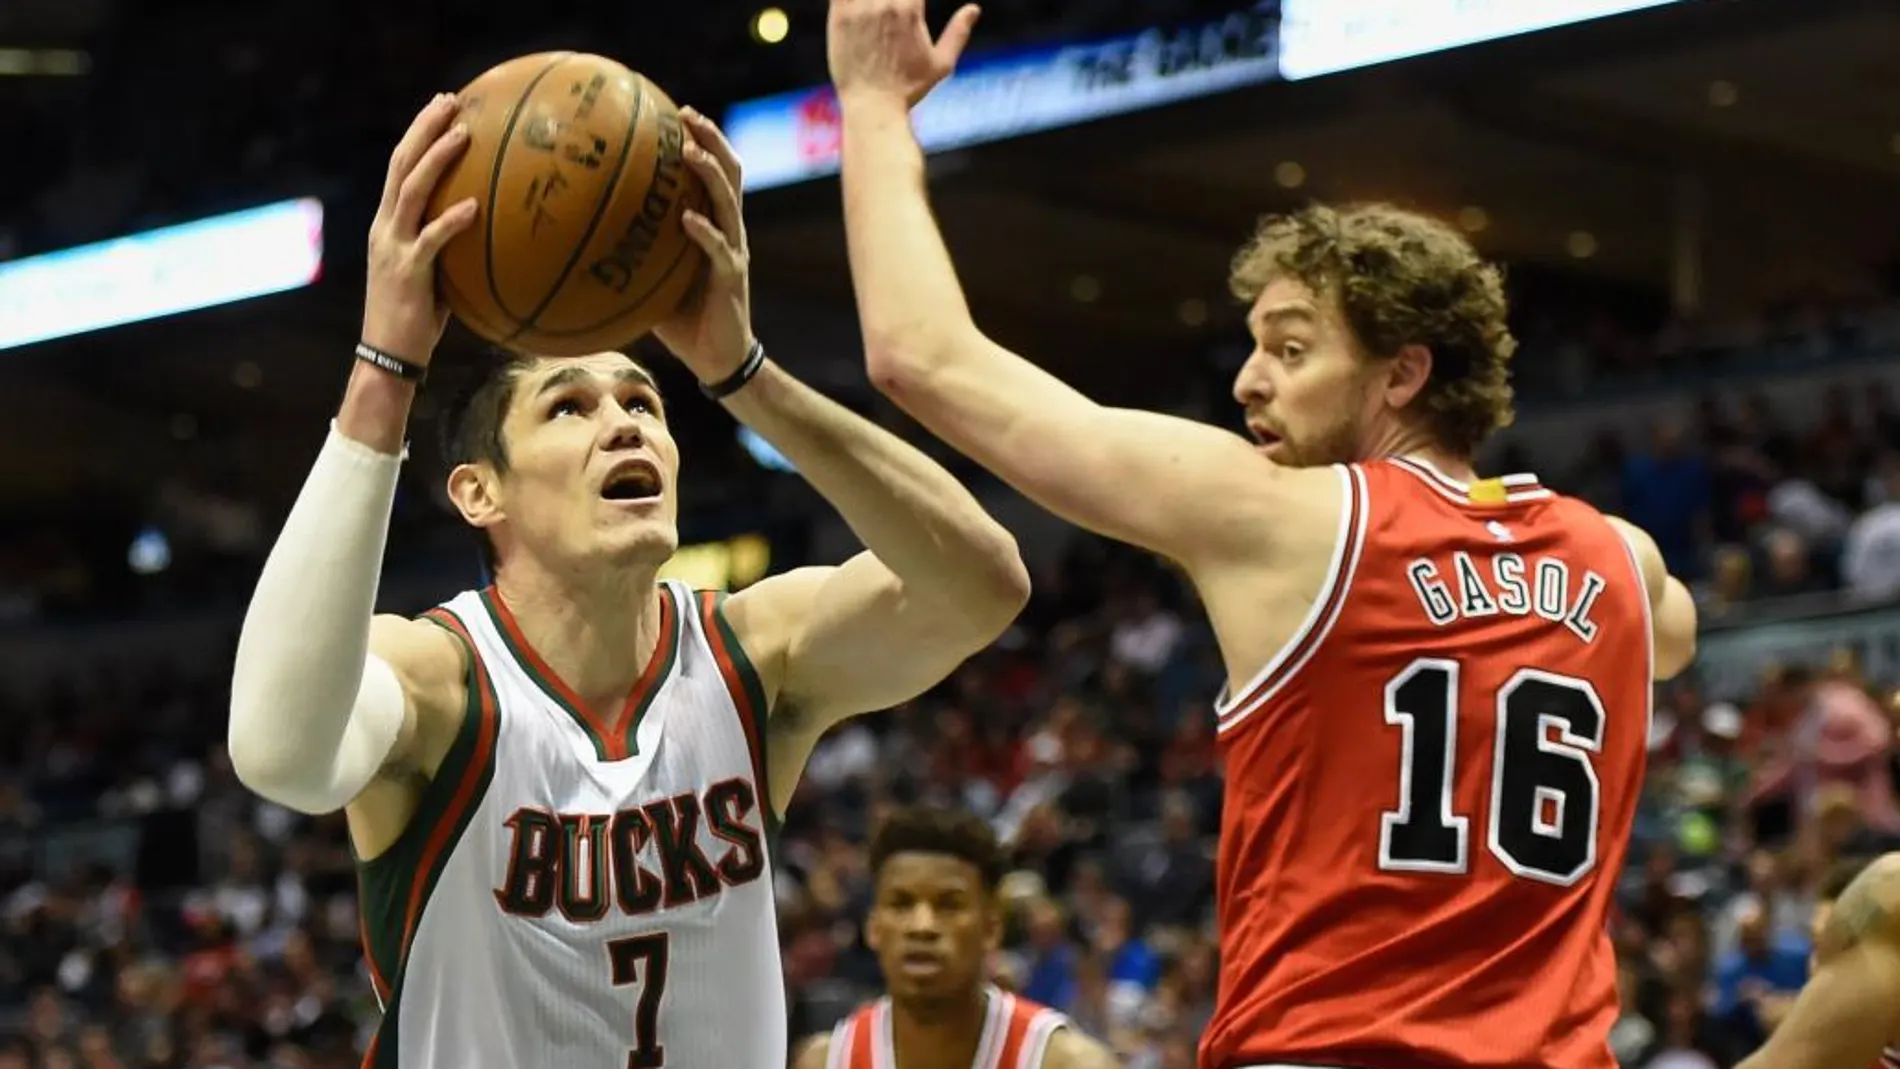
(1015, 1034)
(1429, 792)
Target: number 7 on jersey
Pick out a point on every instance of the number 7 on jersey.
(641, 959)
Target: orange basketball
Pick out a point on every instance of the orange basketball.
(578, 172)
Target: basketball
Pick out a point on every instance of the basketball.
(578, 172)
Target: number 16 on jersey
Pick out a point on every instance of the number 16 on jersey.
(1544, 798)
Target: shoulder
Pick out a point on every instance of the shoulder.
(431, 656)
(813, 1053)
(1868, 909)
(763, 619)
(1649, 559)
(1070, 1048)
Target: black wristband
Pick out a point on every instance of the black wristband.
(733, 383)
(395, 365)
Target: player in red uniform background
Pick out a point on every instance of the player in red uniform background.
(934, 920)
(1435, 730)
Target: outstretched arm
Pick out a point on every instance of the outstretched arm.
(1850, 1008)
(939, 579)
(1162, 483)
(325, 699)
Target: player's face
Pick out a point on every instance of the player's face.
(592, 468)
(932, 926)
(1308, 389)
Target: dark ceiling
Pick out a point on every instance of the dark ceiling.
(1739, 150)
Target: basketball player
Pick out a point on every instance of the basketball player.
(1439, 685)
(1848, 1014)
(562, 788)
(934, 920)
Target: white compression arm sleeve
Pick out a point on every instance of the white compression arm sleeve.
(313, 713)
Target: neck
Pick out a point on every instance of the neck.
(596, 630)
(1402, 441)
(939, 1035)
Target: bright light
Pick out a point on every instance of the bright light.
(55, 62)
(182, 268)
(770, 26)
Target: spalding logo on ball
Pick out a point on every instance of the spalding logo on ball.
(578, 171)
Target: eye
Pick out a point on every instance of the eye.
(1291, 350)
(565, 407)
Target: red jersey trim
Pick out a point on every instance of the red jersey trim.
(1015, 1035)
(1320, 619)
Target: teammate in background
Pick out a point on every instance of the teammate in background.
(561, 787)
(1847, 1016)
(935, 918)
(1438, 685)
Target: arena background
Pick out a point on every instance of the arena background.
(1697, 204)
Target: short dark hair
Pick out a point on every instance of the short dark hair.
(935, 830)
(476, 405)
(1401, 279)
(468, 423)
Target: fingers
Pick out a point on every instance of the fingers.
(708, 136)
(724, 208)
(725, 260)
(427, 126)
(443, 228)
(712, 158)
(413, 198)
(956, 35)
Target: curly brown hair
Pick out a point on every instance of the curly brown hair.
(1401, 279)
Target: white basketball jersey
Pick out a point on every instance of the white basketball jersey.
(564, 896)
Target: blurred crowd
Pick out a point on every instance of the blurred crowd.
(156, 916)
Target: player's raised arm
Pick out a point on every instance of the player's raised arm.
(322, 697)
(1069, 454)
(940, 578)
(1672, 611)
(1850, 1007)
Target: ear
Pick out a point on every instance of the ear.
(993, 925)
(476, 492)
(1406, 375)
(871, 939)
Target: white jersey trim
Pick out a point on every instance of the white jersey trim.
(1518, 487)
(839, 1056)
(1233, 707)
(998, 1013)
(1042, 1028)
(1649, 631)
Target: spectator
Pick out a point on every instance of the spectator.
(1870, 559)
(1755, 979)
(1667, 492)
